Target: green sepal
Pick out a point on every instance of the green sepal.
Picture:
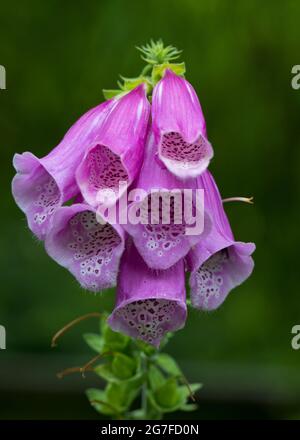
(108, 93)
(106, 373)
(96, 396)
(132, 83)
(158, 400)
(159, 70)
(189, 407)
(114, 341)
(168, 364)
(146, 348)
(156, 378)
(167, 396)
(139, 414)
(121, 395)
(94, 341)
(123, 366)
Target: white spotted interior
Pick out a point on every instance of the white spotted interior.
(209, 279)
(105, 169)
(161, 238)
(47, 198)
(92, 245)
(174, 147)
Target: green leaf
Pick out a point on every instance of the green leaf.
(114, 341)
(94, 341)
(104, 371)
(167, 396)
(171, 397)
(189, 407)
(148, 349)
(168, 364)
(156, 378)
(96, 396)
(108, 94)
(159, 70)
(121, 395)
(123, 366)
(138, 414)
(184, 391)
(103, 322)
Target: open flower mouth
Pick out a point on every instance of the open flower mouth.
(36, 193)
(101, 170)
(181, 157)
(220, 273)
(208, 281)
(90, 250)
(160, 236)
(148, 319)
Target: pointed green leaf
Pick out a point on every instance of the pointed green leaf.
(98, 400)
(104, 371)
(121, 395)
(94, 341)
(114, 341)
(123, 366)
(156, 378)
(168, 364)
(148, 349)
(189, 407)
(167, 396)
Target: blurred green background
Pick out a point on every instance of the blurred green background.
(239, 54)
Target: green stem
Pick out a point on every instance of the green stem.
(145, 386)
(146, 69)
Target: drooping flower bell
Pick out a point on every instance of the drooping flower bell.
(90, 250)
(164, 213)
(179, 127)
(43, 185)
(218, 263)
(150, 303)
(118, 154)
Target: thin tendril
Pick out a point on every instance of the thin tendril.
(86, 367)
(71, 370)
(185, 382)
(71, 324)
(239, 199)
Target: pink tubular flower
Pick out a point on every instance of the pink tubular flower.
(149, 303)
(218, 263)
(118, 154)
(163, 244)
(91, 251)
(179, 127)
(42, 185)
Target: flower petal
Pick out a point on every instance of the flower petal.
(218, 263)
(179, 127)
(162, 244)
(42, 185)
(118, 154)
(149, 303)
(91, 251)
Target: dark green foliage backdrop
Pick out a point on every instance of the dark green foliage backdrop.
(239, 54)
